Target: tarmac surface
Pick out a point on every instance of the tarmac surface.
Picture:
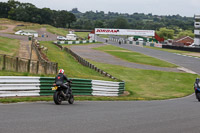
(87, 52)
(189, 63)
(167, 116)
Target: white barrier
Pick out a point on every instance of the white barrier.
(37, 86)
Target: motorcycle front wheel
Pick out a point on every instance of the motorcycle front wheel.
(57, 98)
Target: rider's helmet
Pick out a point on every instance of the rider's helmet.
(61, 71)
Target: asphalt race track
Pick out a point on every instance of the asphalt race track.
(190, 63)
(167, 116)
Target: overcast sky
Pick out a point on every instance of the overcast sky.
(156, 7)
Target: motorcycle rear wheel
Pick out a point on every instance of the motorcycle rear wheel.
(198, 96)
(57, 98)
(71, 99)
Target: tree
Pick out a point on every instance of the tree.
(186, 33)
(166, 33)
(121, 23)
(4, 8)
(71, 19)
(99, 24)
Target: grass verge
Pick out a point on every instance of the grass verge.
(142, 85)
(72, 68)
(83, 35)
(149, 84)
(3, 27)
(134, 56)
(11, 73)
(9, 46)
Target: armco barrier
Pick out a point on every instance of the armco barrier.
(85, 62)
(182, 48)
(41, 86)
(75, 42)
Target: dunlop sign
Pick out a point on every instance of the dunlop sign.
(125, 32)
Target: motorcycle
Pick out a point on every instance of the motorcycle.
(61, 95)
(197, 89)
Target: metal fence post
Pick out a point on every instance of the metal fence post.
(56, 68)
(38, 63)
(4, 62)
(17, 64)
(28, 68)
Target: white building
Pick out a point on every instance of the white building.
(27, 33)
(197, 29)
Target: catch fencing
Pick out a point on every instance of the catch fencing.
(40, 66)
(75, 42)
(124, 41)
(45, 67)
(17, 64)
(41, 86)
(182, 48)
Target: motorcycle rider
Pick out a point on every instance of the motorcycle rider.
(59, 81)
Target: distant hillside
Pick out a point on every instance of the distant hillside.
(28, 12)
(90, 20)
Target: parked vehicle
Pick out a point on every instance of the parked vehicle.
(60, 95)
(194, 45)
(140, 39)
(61, 38)
(197, 89)
(72, 37)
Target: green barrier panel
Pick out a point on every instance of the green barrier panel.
(73, 42)
(81, 42)
(137, 43)
(144, 43)
(130, 42)
(78, 86)
(66, 42)
(151, 44)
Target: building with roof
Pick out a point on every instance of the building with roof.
(183, 41)
(27, 33)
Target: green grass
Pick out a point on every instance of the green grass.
(134, 56)
(149, 84)
(9, 46)
(142, 85)
(83, 35)
(58, 31)
(72, 68)
(172, 50)
(11, 73)
(3, 27)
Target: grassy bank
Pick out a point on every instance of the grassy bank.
(3, 27)
(9, 46)
(10, 73)
(141, 84)
(149, 84)
(134, 56)
(83, 35)
(69, 64)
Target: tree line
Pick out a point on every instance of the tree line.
(166, 26)
(28, 12)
